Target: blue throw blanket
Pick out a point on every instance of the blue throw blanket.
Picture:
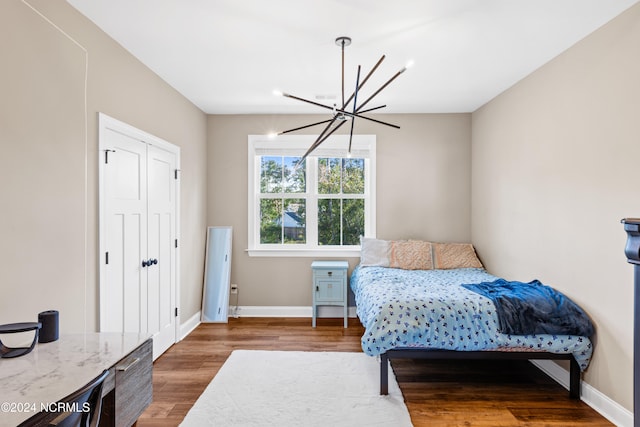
(534, 308)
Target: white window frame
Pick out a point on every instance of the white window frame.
(363, 146)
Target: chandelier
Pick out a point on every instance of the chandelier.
(342, 114)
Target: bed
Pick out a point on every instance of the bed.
(420, 303)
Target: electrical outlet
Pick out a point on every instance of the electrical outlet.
(234, 288)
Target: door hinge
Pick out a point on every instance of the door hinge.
(106, 257)
(176, 311)
(176, 173)
(106, 155)
(176, 243)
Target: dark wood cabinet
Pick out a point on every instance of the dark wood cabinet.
(128, 389)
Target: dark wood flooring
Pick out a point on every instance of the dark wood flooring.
(437, 393)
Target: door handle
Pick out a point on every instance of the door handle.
(149, 262)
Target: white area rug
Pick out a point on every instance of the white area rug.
(299, 388)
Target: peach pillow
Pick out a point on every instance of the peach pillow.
(411, 255)
(455, 255)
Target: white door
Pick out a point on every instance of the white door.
(124, 283)
(161, 247)
(139, 234)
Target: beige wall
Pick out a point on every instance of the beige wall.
(423, 192)
(42, 174)
(544, 186)
(555, 169)
(43, 261)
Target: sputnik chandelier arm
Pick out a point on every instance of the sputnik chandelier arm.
(355, 103)
(340, 115)
(336, 110)
(305, 126)
(321, 138)
(367, 77)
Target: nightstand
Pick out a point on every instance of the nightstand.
(329, 286)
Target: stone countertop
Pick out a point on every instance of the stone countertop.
(56, 369)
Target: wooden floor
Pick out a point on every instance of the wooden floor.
(437, 393)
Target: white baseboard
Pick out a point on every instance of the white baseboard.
(187, 327)
(293, 311)
(267, 311)
(606, 407)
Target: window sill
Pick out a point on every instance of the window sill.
(298, 252)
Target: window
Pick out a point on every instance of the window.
(319, 207)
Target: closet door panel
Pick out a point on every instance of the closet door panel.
(161, 246)
(125, 199)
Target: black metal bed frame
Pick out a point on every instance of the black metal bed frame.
(421, 353)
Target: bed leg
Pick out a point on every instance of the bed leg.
(574, 379)
(384, 374)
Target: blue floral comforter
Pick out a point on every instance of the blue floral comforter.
(429, 308)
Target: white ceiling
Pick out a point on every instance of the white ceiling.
(228, 56)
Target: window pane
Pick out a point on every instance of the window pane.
(271, 174)
(278, 174)
(294, 179)
(352, 221)
(294, 220)
(329, 175)
(340, 222)
(282, 221)
(270, 221)
(329, 222)
(353, 176)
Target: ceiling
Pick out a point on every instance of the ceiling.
(228, 56)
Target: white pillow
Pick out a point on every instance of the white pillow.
(374, 252)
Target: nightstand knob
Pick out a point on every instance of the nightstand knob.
(330, 273)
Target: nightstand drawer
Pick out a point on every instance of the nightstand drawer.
(329, 274)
